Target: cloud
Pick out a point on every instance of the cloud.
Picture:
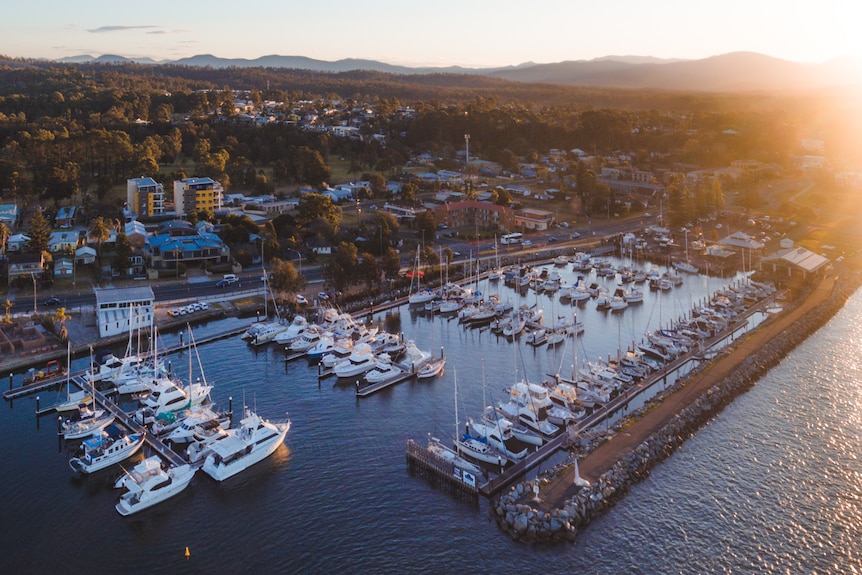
(156, 32)
(101, 29)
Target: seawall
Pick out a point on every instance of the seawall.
(563, 508)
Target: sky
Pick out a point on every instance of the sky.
(470, 33)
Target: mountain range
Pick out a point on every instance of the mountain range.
(732, 72)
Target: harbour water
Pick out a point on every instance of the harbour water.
(771, 485)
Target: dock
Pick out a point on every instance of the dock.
(371, 388)
(440, 468)
(620, 402)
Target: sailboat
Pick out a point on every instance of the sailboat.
(88, 421)
(496, 273)
(420, 296)
(73, 399)
(265, 331)
(474, 448)
(686, 265)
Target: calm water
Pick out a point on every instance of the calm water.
(771, 485)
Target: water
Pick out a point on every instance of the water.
(770, 485)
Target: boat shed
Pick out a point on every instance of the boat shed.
(119, 310)
(797, 261)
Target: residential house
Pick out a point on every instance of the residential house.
(9, 215)
(318, 245)
(24, 264)
(63, 242)
(65, 218)
(85, 255)
(533, 219)
(178, 242)
(136, 233)
(17, 242)
(63, 267)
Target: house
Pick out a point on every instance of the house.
(17, 242)
(63, 242)
(136, 233)
(85, 255)
(65, 218)
(533, 219)
(9, 214)
(739, 241)
(178, 242)
(318, 245)
(63, 268)
(120, 310)
(25, 264)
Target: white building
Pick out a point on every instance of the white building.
(120, 309)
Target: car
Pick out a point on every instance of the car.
(52, 301)
(647, 215)
(322, 296)
(223, 283)
(575, 235)
(301, 299)
(551, 239)
(526, 243)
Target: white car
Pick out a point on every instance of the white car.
(301, 299)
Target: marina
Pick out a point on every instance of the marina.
(412, 408)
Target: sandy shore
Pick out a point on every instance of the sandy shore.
(561, 488)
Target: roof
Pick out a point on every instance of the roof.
(118, 295)
(801, 258)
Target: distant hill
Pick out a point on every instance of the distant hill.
(733, 72)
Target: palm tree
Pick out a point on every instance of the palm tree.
(100, 230)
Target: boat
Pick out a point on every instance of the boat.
(360, 360)
(305, 342)
(100, 451)
(86, 422)
(520, 431)
(537, 337)
(469, 470)
(431, 368)
(73, 399)
(194, 419)
(166, 395)
(500, 437)
(382, 372)
(556, 337)
(52, 369)
(297, 327)
(239, 449)
(143, 490)
(685, 266)
(267, 332)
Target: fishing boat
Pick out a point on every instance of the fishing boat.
(254, 440)
(143, 490)
(100, 451)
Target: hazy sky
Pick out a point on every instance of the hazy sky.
(474, 33)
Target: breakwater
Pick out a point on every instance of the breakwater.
(524, 515)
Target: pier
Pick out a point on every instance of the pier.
(620, 402)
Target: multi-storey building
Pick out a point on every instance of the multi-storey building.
(195, 194)
(145, 197)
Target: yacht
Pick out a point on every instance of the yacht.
(267, 332)
(305, 342)
(297, 327)
(167, 396)
(447, 454)
(197, 417)
(254, 440)
(111, 446)
(431, 368)
(86, 422)
(154, 486)
(499, 437)
(478, 450)
(360, 360)
(382, 372)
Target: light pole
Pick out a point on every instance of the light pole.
(298, 255)
(33, 277)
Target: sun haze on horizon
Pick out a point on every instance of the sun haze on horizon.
(470, 34)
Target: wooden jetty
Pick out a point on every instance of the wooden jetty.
(368, 389)
(440, 468)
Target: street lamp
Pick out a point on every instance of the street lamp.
(33, 277)
(298, 255)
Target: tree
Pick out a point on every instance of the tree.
(5, 232)
(100, 230)
(8, 305)
(315, 206)
(122, 252)
(284, 277)
(40, 233)
(368, 270)
(504, 197)
(342, 268)
(391, 263)
(426, 225)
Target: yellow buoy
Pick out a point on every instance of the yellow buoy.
(187, 553)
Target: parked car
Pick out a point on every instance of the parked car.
(52, 301)
(301, 299)
(230, 278)
(322, 296)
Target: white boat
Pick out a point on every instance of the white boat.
(101, 451)
(499, 437)
(447, 454)
(297, 327)
(305, 342)
(145, 468)
(202, 438)
(254, 440)
(336, 355)
(88, 422)
(267, 332)
(685, 266)
(519, 431)
(479, 450)
(556, 337)
(431, 368)
(166, 395)
(360, 360)
(382, 372)
(194, 418)
(144, 491)
(537, 337)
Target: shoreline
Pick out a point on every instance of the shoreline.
(652, 434)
